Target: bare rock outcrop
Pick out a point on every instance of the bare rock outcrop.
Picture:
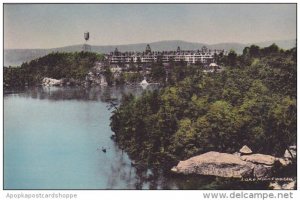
(291, 185)
(284, 161)
(51, 82)
(261, 171)
(236, 165)
(215, 164)
(245, 150)
(259, 159)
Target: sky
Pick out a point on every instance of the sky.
(58, 25)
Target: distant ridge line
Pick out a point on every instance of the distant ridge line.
(16, 57)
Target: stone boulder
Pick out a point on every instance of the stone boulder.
(291, 185)
(259, 159)
(51, 82)
(284, 161)
(261, 171)
(275, 186)
(216, 164)
(245, 150)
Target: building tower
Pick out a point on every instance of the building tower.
(86, 46)
(204, 49)
(148, 49)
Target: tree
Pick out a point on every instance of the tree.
(158, 73)
(254, 51)
(246, 51)
(270, 49)
(232, 58)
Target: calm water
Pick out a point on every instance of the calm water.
(54, 136)
(53, 139)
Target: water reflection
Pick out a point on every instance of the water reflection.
(98, 93)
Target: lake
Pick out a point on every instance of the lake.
(53, 139)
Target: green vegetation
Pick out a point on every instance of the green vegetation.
(252, 102)
(158, 73)
(54, 65)
(132, 76)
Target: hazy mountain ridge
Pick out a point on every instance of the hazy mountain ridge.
(15, 57)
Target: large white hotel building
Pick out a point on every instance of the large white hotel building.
(204, 56)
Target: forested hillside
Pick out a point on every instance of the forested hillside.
(55, 65)
(252, 102)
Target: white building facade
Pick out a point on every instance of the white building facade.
(204, 56)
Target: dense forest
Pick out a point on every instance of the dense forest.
(252, 102)
(54, 65)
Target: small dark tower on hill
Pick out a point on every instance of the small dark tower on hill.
(178, 49)
(86, 36)
(86, 46)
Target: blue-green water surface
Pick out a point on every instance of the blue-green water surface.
(53, 139)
